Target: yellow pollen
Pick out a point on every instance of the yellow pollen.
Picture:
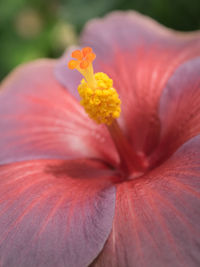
(98, 97)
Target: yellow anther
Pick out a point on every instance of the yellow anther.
(98, 97)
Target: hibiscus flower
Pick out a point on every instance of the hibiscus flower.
(77, 193)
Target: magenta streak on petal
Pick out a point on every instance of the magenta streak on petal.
(55, 213)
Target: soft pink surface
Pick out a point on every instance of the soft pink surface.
(156, 219)
(54, 212)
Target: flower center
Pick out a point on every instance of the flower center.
(101, 102)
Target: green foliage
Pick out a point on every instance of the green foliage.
(30, 29)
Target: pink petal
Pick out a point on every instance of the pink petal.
(157, 216)
(54, 212)
(68, 78)
(40, 119)
(140, 55)
(180, 109)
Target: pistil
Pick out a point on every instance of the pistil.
(101, 102)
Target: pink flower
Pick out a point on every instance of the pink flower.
(63, 201)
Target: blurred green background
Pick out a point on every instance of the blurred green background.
(30, 29)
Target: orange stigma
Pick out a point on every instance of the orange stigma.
(83, 58)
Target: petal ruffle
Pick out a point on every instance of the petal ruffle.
(179, 109)
(39, 119)
(54, 212)
(140, 55)
(157, 216)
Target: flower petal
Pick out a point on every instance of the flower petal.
(180, 109)
(54, 212)
(39, 119)
(140, 55)
(67, 77)
(157, 216)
